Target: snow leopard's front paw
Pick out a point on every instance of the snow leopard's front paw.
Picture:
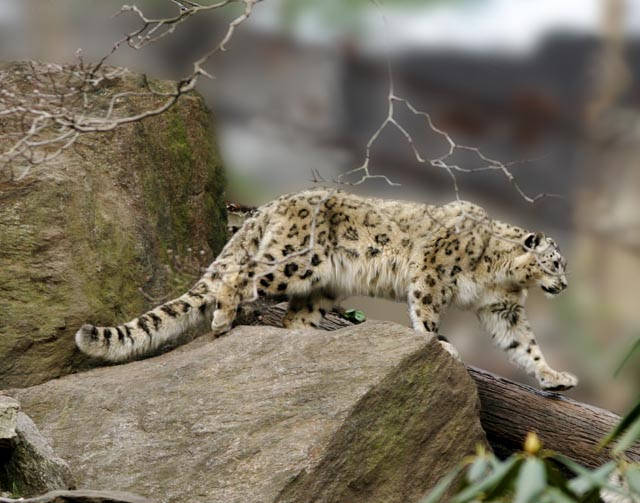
(550, 380)
(448, 347)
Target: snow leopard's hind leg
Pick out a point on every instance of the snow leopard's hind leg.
(308, 310)
(426, 305)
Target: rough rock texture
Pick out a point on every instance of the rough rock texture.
(32, 467)
(370, 413)
(81, 497)
(9, 408)
(80, 234)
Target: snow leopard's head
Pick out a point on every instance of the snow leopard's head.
(546, 265)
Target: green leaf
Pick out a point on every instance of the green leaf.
(633, 478)
(630, 436)
(506, 470)
(635, 348)
(587, 480)
(438, 491)
(624, 423)
(531, 482)
(477, 470)
(555, 495)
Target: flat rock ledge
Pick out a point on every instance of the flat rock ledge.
(368, 413)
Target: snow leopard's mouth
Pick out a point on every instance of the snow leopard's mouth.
(554, 290)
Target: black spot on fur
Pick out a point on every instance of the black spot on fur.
(513, 345)
(315, 260)
(287, 250)
(306, 274)
(128, 332)
(382, 239)
(338, 218)
(455, 270)
(290, 269)
(427, 299)
(303, 213)
(430, 327)
(156, 320)
(372, 252)
(186, 307)
(107, 335)
(142, 324)
(351, 234)
(269, 257)
(371, 219)
(282, 287)
(293, 231)
(265, 282)
(169, 311)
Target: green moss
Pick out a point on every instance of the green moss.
(77, 242)
(172, 182)
(394, 438)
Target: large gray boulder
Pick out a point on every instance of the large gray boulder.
(32, 467)
(80, 234)
(9, 408)
(369, 413)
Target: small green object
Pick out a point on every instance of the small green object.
(354, 315)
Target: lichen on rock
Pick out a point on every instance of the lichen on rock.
(81, 234)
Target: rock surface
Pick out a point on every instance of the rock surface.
(32, 467)
(81, 497)
(369, 413)
(80, 234)
(9, 408)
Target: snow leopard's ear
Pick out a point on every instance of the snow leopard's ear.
(533, 240)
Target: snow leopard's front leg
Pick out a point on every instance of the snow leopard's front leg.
(506, 321)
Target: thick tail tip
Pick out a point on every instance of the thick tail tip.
(89, 341)
(86, 334)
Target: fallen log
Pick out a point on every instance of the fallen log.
(508, 410)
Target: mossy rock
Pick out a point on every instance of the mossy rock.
(82, 236)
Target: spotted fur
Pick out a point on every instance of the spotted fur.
(427, 256)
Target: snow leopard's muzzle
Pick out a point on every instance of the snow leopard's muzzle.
(555, 288)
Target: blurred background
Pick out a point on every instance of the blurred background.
(303, 86)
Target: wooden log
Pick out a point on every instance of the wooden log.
(508, 410)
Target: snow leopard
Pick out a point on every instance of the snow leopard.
(316, 247)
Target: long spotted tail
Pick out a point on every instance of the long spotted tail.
(145, 333)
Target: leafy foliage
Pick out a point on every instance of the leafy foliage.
(538, 475)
